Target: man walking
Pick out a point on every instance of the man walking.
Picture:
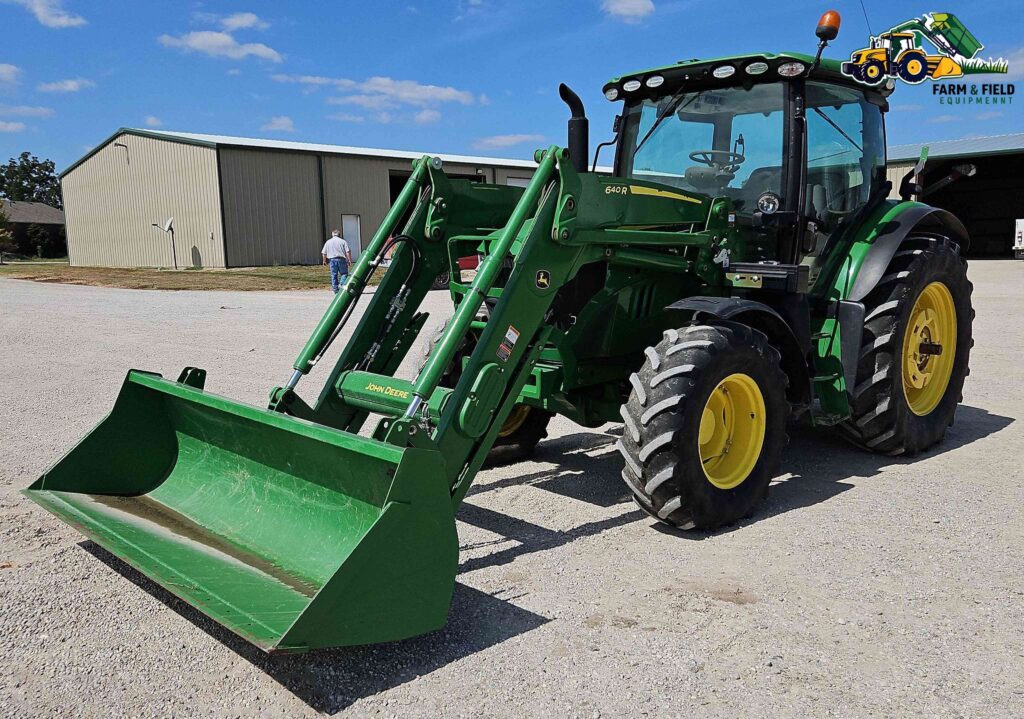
(338, 257)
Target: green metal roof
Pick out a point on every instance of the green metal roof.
(967, 147)
(214, 141)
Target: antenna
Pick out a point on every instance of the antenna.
(866, 21)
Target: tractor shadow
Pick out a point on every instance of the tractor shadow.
(331, 680)
(818, 462)
(583, 466)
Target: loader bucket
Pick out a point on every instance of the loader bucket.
(290, 534)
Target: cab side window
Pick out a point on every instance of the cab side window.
(845, 148)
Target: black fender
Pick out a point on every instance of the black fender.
(767, 320)
(892, 235)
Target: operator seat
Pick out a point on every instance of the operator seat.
(700, 177)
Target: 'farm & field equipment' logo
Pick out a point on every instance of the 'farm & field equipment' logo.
(935, 47)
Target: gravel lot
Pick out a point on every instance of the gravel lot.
(865, 586)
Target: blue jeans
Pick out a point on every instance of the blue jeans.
(339, 272)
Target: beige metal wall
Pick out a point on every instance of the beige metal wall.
(272, 212)
(894, 173)
(360, 186)
(113, 198)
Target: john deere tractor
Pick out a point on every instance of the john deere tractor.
(740, 268)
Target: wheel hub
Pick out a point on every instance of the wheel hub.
(927, 365)
(732, 429)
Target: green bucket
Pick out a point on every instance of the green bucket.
(293, 535)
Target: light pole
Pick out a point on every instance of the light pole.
(168, 227)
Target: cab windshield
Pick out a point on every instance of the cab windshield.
(726, 141)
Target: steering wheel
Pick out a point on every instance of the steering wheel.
(717, 158)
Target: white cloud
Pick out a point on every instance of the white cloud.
(385, 93)
(25, 111)
(938, 119)
(989, 115)
(235, 21)
(220, 44)
(50, 13)
(66, 85)
(497, 142)
(9, 74)
(1015, 69)
(346, 117)
(242, 21)
(153, 121)
(628, 10)
(314, 80)
(233, 72)
(370, 102)
(426, 116)
(413, 93)
(281, 123)
(12, 126)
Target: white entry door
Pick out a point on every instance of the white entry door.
(350, 231)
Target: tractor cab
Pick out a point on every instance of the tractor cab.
(896, 43)
(793, 146)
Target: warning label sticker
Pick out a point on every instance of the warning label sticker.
(508, 343)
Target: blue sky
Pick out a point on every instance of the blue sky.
(459, 76)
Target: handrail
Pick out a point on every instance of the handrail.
(486, 274)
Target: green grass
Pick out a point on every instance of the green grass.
(290, 277)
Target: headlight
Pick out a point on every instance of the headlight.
(654, 81)
(724, 71)
(631, 85)
(791, 69)
(612, 94)
(756, 68)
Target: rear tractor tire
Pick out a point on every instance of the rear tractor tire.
(524, 427)
(916, 350)
(913, 67)
(705, 425)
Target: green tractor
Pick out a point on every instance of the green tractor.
(740, 268)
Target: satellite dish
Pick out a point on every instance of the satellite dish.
(169, 225)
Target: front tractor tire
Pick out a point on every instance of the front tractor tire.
(916, 350)
(873, 72)
(525, 426)
(705, 425)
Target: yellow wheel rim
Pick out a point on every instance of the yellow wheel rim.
(515, 420)
(871, 72)
(914, 67)
(732, 429)
(929, 349)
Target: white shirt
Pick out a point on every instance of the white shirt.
(335, 247)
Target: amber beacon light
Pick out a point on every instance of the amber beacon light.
(828, 26)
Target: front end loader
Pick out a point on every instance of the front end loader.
(742, 266)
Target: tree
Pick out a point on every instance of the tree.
(29, 179)
(6, 239)
(39, 240)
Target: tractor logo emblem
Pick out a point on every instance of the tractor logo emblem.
(933, 47)
(543, 279)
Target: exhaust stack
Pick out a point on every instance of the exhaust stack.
(579, 128)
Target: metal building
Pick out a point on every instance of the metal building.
(236, 202)
(988, 203)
